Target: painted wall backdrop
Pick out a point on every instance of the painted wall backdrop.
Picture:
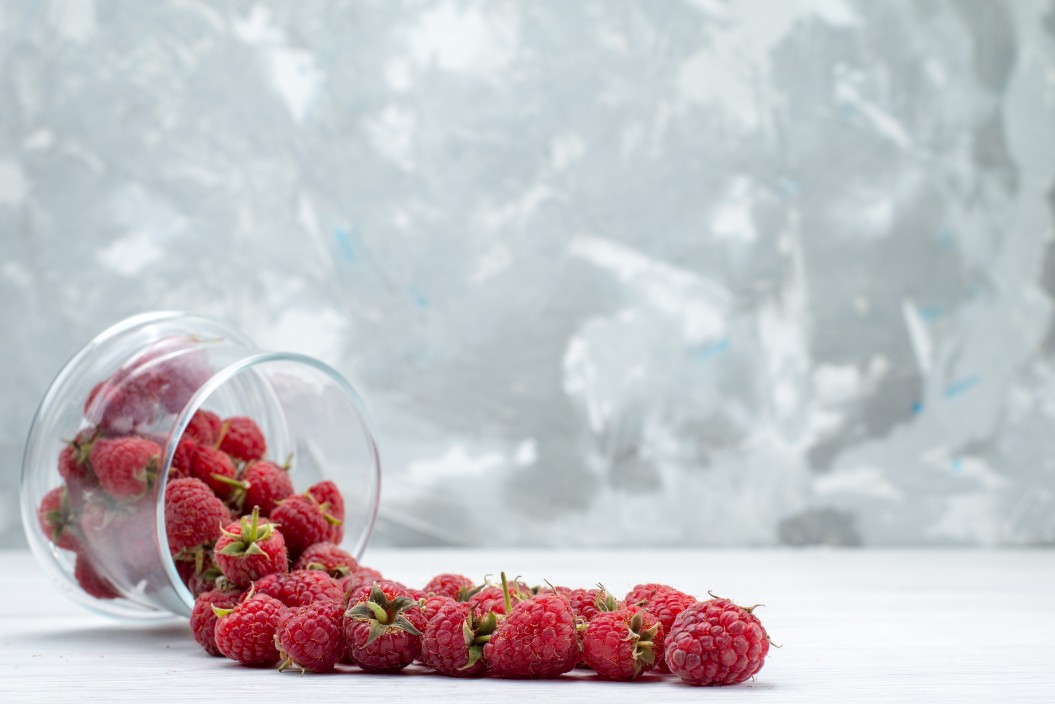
(607, 273)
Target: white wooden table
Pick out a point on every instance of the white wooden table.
(877, 626)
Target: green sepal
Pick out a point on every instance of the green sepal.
(475, 653)
(220, 613)
(403, 624)
(377, 629)
(360, 612)
(377, 611)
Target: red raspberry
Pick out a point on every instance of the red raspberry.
(172, 370)
(266, 484)
(492, 599)
(249, 550)
(73, 459)
(193, 515)
(93, 583)
(434, 603)
(199, 572)
(327, 557)
(204, 428)
(331, 503)
(303, 523)
(620, 645)
(203, 618)
(455, 586)
(124, 531)
(125, 466)
(716, 642)
(57, 520)
(454, 639)
(537, 640)
(662, 601)
(588, 603)
(214, 468)
(309, 637)
(383, 632)
(119, 405)
(300, 587)
(241, 438)
(362, 577)
(246, 632)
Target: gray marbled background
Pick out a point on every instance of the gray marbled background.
(606, 272)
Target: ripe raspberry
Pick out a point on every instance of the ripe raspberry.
(309, 637)
(300, 587)
(204, 428)
(362, 577)
(203, 618)
(200, 573)
(241, 438)
(492, 599)
(536, 640)
(331, 503)
(327, 557)
(383, 632)
(193, 516)
(716, 642)
(124, 531)
(454, 639)
(455, 586)
(73, 459)
(93, 583)
(125, 466)
(119, 405)
(586, 604)
(246, 632)
(215, 469)
(662, 601)
(434, 603)
(266, 484)
(303, 523)
(57, 519)
(620, 645)
(249, 549)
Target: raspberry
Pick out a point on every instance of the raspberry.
(203, 428)
(241, 438)
(327, 557)
(203, 618)
(492, 599)
(303, 523)
(662, 601)
(537, 640)
(93, 583)
(383, 632)
(73, 459)
(119, 405)
(300, 587)
(586, 604)
(331, 503)
(716, 642)
(266, 484)
(454, 640)
(245, 633)
(249, 549)
(214, 468)
(434, 603)
(193, 515)
(309, 637)
(620, 645)
(123, 531)
(125, 466)
(455, 586)
(362, 577)
(57, 520)
(199, 572)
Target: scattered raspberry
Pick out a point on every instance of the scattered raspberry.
(93, 583)
(203, 618)
(537, 640)
(241, 438)
(310, 637)
(329, 558)
(249, 549)
(455, 586)
(434, 603)
(588, 603)
(57, 521)
(266, 484)
(125, 466)
(193, 516)
(620, 645)
(331, 503)
(362, 577)
(246, 632)
(300, 587)
(383, 632)
(662, 601)
(454, 640)
(303, 523)
(214, 468)
(716, 642)
(492, 599)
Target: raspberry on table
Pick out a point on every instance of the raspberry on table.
(382, 632)
(300, 587)
(250, 549)
(309, 637)
(536, 640)
(304, 522)
(454, 639)
(620, 645)
(193, 515)
(245, 633)
(455, 586)
(203, 618)
(331, 503)
(716, 642)
(329, 558)
(662, 601)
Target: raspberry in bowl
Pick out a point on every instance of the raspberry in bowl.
(167, 434)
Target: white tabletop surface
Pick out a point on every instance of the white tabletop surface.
(877, 626)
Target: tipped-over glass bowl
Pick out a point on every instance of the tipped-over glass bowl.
(146, 377)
